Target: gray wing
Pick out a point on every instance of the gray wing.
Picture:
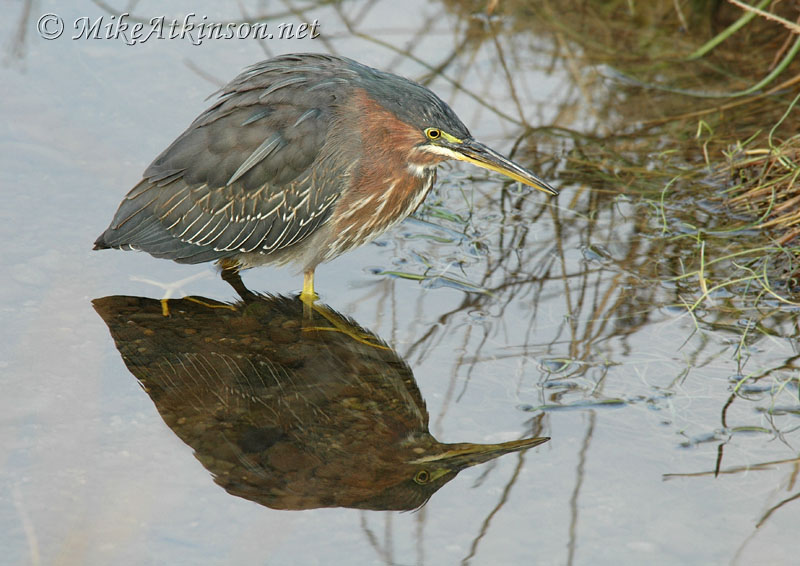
(246, 175)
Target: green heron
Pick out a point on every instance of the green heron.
(302, 158)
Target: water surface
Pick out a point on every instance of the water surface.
(672, 432)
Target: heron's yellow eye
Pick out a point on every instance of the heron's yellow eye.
(433, 133)
(422, 477)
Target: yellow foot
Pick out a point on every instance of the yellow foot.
(339, 325)
(170, 288)
(310, 298)
(211, 305)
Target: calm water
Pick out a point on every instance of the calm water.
(518, 315)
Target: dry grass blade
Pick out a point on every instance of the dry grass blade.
(768, 187)
(794, 28)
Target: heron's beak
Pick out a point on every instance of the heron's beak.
(478, 154)
(459, 456)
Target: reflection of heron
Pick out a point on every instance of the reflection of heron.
(302, 158)
(284, 414)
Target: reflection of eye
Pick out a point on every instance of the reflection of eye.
(433, 133)
(422, 477)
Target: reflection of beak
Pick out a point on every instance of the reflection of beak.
(478, 154)
(459, 456)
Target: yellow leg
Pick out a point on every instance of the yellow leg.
(308, 295)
